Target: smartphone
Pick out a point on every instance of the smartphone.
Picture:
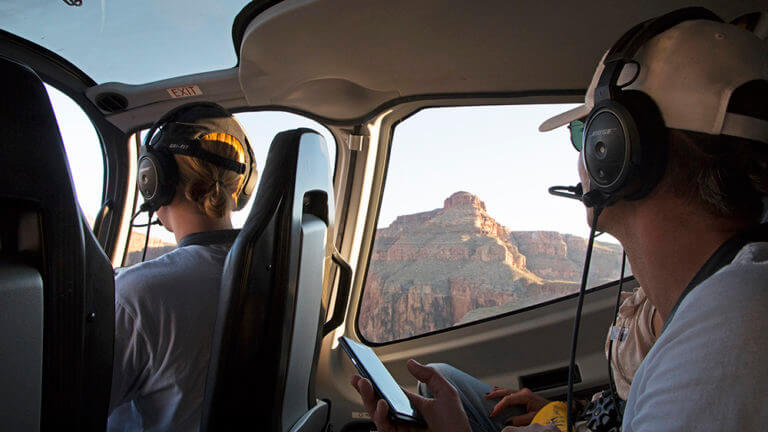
(370, 367)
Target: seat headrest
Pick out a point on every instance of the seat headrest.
(32, 155)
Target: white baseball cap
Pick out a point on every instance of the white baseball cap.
(690, 71)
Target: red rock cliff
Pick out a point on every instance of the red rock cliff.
(434, 269)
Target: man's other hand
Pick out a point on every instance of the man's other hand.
(443, 413)
(532, 402)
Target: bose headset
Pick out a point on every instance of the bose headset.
(158, 173)
(624, 151)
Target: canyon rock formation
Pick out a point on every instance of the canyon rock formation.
(455, 264)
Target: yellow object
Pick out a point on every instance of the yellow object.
(553, 413)
(226, 139)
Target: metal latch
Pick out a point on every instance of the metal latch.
(357, 142)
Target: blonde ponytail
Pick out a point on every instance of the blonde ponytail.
(213, 189)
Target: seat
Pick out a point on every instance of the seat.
(272, 303)
(56, 284)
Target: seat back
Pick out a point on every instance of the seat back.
(271, 306)
(56, 285)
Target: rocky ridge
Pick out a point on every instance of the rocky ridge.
(434, 269)
(155, 248)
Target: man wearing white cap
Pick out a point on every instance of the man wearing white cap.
(673, 142)
(674, 150)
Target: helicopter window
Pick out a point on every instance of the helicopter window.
(84, 153)
(466, 230)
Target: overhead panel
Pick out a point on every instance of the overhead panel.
(343, 58)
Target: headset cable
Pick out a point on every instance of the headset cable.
(577, 321)
(145, 208)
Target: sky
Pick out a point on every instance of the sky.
(494, 152)
(151, 39)
(86, 160)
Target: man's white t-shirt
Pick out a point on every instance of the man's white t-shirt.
(708, 371)
(165, 311)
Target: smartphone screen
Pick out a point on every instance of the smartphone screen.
(367, 362)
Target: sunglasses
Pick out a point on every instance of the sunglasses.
(577, 134)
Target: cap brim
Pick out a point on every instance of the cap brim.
(565, 118)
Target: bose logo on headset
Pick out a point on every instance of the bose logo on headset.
(602, 132)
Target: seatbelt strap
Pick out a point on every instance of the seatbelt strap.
(722, 257)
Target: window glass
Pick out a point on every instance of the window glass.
(261, 127)
(466, 228)
(84, 153)
(177, 37)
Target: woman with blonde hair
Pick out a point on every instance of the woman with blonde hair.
(193, 172)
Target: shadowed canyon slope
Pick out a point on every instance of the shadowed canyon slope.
(456, 264)
(155, 248)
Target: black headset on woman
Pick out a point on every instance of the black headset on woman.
(180, 131)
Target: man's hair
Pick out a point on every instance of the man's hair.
(727, 175)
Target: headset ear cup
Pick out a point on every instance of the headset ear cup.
(157, 178)
(251, 176)
(625, 146)
(651, 158)
(608, 151)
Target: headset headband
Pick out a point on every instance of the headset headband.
(193, 149)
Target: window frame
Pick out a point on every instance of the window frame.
(369, 246)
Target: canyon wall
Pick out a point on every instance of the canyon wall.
(455, 264)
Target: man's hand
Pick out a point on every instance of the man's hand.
(443, 413)
(532, 402)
